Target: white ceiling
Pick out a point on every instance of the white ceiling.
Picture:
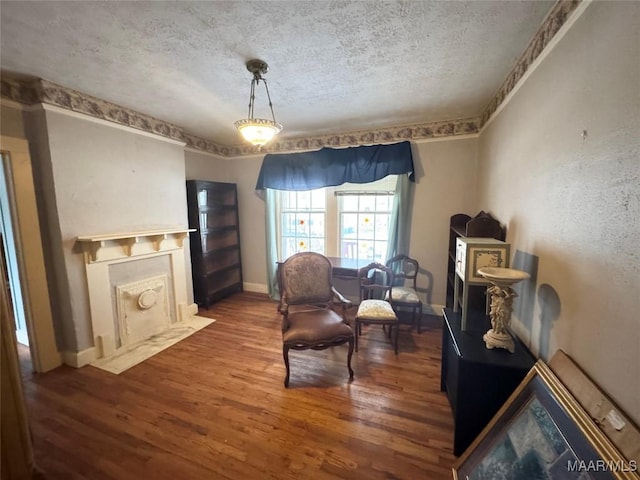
(335, 66)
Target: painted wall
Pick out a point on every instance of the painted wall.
(98, 178)
(252, 223)
(572, 204)
(445, 185)
(204, 166)
(11, 124)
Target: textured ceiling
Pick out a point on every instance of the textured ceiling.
(335, 66)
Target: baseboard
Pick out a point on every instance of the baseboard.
(79, 359)
(432, 309)
(255, 287)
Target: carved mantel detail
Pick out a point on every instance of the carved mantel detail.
(112, 246)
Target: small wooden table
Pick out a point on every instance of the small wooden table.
(347, 267)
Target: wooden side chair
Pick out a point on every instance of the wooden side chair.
(405, 293)
(308, 321)
(376, 283)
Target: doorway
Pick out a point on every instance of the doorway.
(22, 250)
(11, 256)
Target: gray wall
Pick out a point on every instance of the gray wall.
(572, 205)
(204, 166)
(445, 185)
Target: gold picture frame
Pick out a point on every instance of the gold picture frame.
(541, 432)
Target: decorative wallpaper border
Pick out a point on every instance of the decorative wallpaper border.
(43, 91)
(34, 91)
(556, 18)
(417, 131)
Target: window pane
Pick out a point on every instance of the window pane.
(288, 224)
(348, 249)
(350, 203)
(289, 247)
(316, 225)
(349, 225)
(318, 199)
(302, 224)
(367, 203)
(364, 225)
(304, 200)
(380, 252)
(288, 200)
(316, 245)
(382, 226)
(365, 250)
(383, 202)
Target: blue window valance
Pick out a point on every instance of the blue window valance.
(330, 167)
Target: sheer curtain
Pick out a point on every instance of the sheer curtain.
(271, 207)
(400, 224)
(330, 167)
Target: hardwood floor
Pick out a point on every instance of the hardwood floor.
(214, 406)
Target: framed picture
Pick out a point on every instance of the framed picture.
(541, 433)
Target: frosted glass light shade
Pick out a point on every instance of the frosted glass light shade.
(258, 131)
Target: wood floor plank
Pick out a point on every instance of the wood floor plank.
(214, 406)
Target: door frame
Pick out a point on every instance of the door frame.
(28, 242)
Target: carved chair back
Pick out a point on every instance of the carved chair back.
(305, 278)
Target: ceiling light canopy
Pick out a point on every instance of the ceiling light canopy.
(258, 131)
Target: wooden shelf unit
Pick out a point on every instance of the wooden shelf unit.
(463, 225)
(215, 244)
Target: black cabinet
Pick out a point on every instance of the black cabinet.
(215, 245)
(477, 380)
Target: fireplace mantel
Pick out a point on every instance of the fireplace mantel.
(113, 246)
(102, 251)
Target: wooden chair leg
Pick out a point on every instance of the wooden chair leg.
(396, 336)
(285, 354)
(349, 355)
(357, 333)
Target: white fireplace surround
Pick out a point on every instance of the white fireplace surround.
(102, 251)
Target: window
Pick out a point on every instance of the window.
(350, 221)
(364, 224)
(302, 222)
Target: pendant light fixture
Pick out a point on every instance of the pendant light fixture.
(258, 131)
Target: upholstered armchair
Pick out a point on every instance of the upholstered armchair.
(306, 300)
(404, 293)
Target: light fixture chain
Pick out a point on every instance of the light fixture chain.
(269, 98)
(252, 98)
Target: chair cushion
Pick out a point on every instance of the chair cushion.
(314, 326)
(404, 294)
(376, 310)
